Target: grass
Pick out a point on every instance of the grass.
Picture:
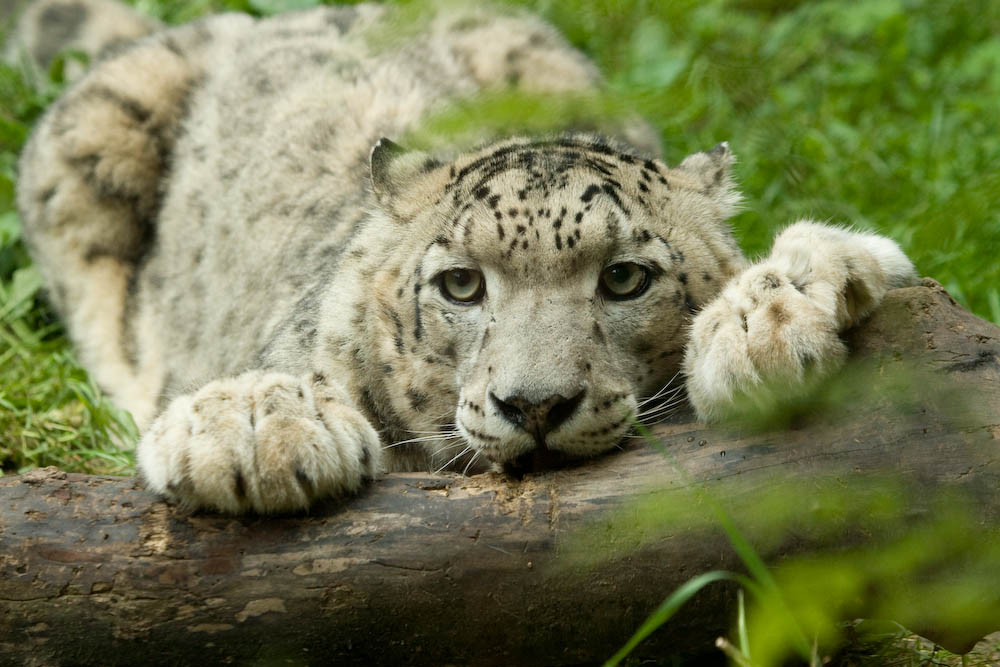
(51, 413)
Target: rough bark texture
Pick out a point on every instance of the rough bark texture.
(442, 569)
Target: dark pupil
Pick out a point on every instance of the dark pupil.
(620, 274)
(461, 278)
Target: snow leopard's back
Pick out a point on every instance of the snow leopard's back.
(190, 190)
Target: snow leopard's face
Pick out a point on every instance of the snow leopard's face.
(550, 290)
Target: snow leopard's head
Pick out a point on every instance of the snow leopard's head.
(538, 290)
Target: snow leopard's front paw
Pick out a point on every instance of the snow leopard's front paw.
(264, 442)
(761, 334)
(775, 328)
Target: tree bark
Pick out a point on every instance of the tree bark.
(423, 568)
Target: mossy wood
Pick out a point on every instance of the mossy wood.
(437, 569)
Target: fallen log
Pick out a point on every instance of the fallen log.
(425, 568)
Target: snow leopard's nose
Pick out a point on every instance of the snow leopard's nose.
(537, 418)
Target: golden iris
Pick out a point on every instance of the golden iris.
(463, 285)
(626, 280)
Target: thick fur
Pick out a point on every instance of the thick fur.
(95, 28)
(263, 291)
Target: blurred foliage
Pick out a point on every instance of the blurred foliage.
(866, 544)
(878, 549)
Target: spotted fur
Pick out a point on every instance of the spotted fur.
(263, 289)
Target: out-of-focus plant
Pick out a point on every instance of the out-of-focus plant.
(881, 545)
(936, 571)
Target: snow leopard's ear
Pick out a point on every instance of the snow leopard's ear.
(711, 172)
(397, 173)
(384, 153)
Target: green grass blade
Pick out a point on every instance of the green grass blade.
(741, 625)
(770, 593)
(672, 605)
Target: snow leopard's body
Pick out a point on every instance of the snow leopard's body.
(275, 301)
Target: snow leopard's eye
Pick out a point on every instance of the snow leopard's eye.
(463, 286)
(624, 281)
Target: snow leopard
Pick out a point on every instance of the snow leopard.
(290, 302)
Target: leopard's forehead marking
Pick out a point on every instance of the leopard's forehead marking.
(562, 201)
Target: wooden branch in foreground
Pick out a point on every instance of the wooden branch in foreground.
(438, 569)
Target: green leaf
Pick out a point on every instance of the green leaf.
(993, 298)
(12, 134)
(57, 70)
(267, 7)
(672, 605)
(23, 288)
(10, 229)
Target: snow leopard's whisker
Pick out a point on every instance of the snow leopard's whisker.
(653, 417)
(426, 438)
(452, 446)
(449, 431)
(662, 411)
(413, 440)
(659, 393)
(660, 397)
(467, 449)
(471, 461)
(673, 400)
(669, 381)
(649, 399)
(659, 407)
(443, 419)
(656, 419)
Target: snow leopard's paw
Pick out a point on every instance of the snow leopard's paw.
(775, 328)
(264, 442)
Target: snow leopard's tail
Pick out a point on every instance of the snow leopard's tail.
(90, 189)
(47, 28)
